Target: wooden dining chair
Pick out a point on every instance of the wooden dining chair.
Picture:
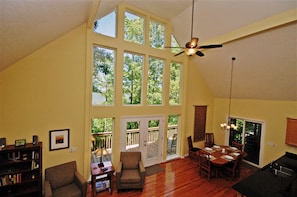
(209, 139)
(192, 150)
(205, 165)
(232, 169)
(237, 145)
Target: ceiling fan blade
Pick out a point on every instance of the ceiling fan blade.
(179, 53)
(210, 46)
(199, 53)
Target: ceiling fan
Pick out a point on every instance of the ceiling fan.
(192, 46)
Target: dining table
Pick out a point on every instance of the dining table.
(222, 154)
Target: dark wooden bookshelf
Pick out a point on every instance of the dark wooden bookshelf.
(21, 170)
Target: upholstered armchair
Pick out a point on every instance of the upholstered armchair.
(64, 180)
(130, 172)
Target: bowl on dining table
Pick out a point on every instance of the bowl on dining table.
(208, 149)
(236, 154)
(216, 146)
(233, 148)
(209, 156)
(228, 157)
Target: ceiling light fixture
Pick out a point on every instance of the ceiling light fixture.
(191, 51)
(227, 126)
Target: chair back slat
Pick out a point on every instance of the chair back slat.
(209, 139)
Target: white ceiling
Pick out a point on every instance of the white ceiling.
(265, 65)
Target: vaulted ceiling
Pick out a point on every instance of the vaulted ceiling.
(261, 34)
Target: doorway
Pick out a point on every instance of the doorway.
(143, 134)
(250, 134)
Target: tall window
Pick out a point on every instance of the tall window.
(106, 25)
(134, 28)
(103, 76)
(175, 79)
(172, 134)
(132, 78)
(101, 138)
(157, 35)
(155, 81)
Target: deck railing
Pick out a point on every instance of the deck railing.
(103, 139)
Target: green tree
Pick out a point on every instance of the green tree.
(133, 28)
(101, 125)
(157, 35)
(155, 81)
(132, 78)
(103, 74)
(132, 125)
(176, 47)
(172, 120)
(174, 93)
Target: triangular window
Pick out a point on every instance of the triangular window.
(106, 25)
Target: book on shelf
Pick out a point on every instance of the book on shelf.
(10, 179)
(102, 185)
(34, 165)
(14, 156)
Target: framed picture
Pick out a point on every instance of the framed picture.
(21, 142)
(59, 139)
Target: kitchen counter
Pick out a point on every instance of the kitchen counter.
(268, 183)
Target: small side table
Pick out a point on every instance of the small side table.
(105, 173)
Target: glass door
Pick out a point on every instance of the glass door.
(143, 134)
(249, 134)
(252, 137)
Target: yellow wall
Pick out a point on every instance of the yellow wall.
(0, 104)
(197, 94)
(272, 113)
(46, 91)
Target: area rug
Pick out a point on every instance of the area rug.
(155, 169)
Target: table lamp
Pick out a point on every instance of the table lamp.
(101, 153)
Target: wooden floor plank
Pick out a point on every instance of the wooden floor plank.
(180, 178)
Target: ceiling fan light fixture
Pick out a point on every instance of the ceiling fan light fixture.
(191, 51)
(191, 48)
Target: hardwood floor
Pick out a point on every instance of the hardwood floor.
(180, 178)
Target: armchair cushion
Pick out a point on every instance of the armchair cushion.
(70, 190)
(130, 176)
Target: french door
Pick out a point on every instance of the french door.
(249, 133)
(144, 134)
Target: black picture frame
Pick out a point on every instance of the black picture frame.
(59, 139)
(20, 142)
